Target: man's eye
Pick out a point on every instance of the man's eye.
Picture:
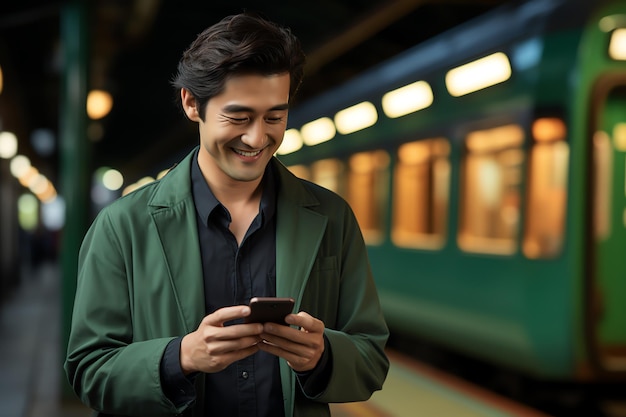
(274, 119)
(238, 120)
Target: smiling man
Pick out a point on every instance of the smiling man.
(167, 272)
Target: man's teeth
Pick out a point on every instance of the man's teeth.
(244, 153)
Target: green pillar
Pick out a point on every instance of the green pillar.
(75, 156)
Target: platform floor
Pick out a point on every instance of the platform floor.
(413, 389)
(31, 372)
(30, 357)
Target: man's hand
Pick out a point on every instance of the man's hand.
(213, 346)
(303, 348)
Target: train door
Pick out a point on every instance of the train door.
(607, 297)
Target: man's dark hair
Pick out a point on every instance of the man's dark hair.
(238, 45)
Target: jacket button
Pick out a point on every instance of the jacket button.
(244, 375)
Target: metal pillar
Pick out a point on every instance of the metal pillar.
(75, 155)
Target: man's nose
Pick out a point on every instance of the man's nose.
(256, 135)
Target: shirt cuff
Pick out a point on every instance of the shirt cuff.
(177, 387)
(315, 381)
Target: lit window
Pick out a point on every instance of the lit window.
(368, 180)
(329, 173)
(547, 192)
(420, 195)
(300, 171)
(617, 45)
(490, 200)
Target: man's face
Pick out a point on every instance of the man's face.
(243, 127)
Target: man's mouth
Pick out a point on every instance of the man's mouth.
(248, 154)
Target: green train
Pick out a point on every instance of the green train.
(487, 170)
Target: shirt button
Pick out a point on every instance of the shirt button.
(244, 375)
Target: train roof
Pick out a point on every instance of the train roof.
(492, 31)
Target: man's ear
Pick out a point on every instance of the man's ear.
(189, 105)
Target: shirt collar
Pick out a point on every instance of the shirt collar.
(205, 200)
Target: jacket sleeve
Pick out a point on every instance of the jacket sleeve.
(109, 370)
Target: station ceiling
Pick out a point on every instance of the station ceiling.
(135, 46)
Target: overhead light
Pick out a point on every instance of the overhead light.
(318, 131)
(292, 141)
(479, 74)
(99, 104)
(112, 179)
(8, 145)
(356, 118)
(19, 165)
(407, 99)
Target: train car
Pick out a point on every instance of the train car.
(486, 167)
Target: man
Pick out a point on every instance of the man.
(166, 272)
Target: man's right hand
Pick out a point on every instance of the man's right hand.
(213, 346)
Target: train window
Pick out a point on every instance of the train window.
(617, 45)
(329, 173)
(368, 180)
(420, 197)
(547, 192)
(490, 200)
(300, 171)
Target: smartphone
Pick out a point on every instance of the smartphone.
(269, 309)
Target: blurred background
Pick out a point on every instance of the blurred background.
(494, 209)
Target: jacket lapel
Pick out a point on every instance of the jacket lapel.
(174, 216)
(299, 231)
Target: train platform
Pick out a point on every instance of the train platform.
(31, 376)
(30, 349)
(413, 389)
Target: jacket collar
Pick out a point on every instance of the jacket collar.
(299, 232)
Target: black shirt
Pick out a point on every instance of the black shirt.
(232, 275)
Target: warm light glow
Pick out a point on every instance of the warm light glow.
(19, 165)
(300, 171)
(49, 195)
(99, 104)
(490, 140)
(30, 173)
(549, 129)
(318, 131)
(8, 145)
(617, 45)
(408, 99)
(162, 173)
(356, 118)
(129, 189)
(619, 137)
(482, 73)
(145, 180)
(38, 184)
(112, 179)
(134, 186)
(292, 141)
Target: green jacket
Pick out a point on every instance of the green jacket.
(140, 285)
